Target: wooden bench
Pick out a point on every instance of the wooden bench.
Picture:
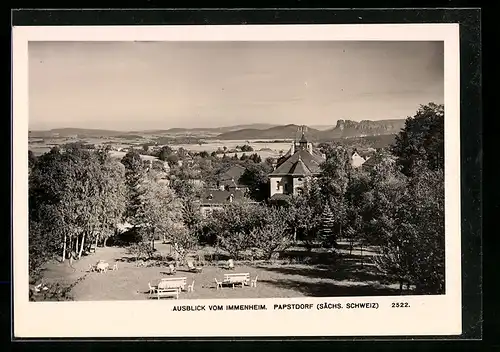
(237, 279)
(174, 282)
(167, 292)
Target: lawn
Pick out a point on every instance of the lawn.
(346, 277)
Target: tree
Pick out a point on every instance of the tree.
(334, 179)
(327, 223)
(270, 161)
(182, 153)
(113, 196)
(246, 148)
(235, 242)
(134, 174)
(158, 208)
(191, 216)
(145, 147)
(275, 235)
(42, 245)
(31, 160)
(414, 251)
(165, 151)
(382, 202)
(255, 177)
(305, 213)
(183, 240)
(357, 213)
(173, 160)
(213, 154)
(244, 157)
(236, 218)
(204, 154)
(421, 140)
(255, 158)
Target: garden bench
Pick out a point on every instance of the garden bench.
(164, 290)
(237, 279)
(102, 267)
(175, 282)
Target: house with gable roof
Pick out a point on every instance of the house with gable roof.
(229, 180)
(301, 162)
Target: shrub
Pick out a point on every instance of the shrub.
(142, 250)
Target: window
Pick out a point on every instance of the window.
(300, 178)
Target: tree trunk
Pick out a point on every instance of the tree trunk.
(81, 246)
(96, 241)
(64, 248)
(362, 259)
(104, 242)
(294, 235)
(76, 244)
(340, 235)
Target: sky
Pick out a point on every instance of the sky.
(160, 85)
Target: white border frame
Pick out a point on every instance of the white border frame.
(428, 315)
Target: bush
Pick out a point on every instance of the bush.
(271, 240)
(127, 238)
(142, 250)
(234, 243)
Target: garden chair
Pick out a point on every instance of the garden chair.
(115, 267)
(218, 284)
(190, 288)
(229, 264)
(152, 289)
(253, 283)
(193, 268)
(91, 268)
(172, 269)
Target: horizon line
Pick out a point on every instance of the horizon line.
(206, 127)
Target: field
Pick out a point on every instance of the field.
(265, 150)
(351, 275)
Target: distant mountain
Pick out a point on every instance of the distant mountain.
(179, 130)
(343, 129)
(277, 132)
(322, 127)
(348, 128)
(81, 132)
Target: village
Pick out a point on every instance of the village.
(160, 221)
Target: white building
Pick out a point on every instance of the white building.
(298, 164)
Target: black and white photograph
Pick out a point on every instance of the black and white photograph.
(190, 171)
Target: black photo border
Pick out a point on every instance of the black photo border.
(470, 119)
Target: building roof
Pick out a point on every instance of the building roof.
(216, 196)
(375, 159)
(280, 196)
(300, 169)
(301, 163)
(234, 172)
